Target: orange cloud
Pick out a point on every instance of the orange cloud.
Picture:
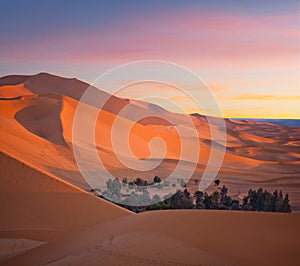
(255, 97)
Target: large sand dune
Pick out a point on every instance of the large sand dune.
(39, 206)
(36, 114)
(44, 198)
(177, 238)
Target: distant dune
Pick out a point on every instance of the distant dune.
(49, 216)
(284, 122)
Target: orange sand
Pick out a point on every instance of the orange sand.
(44, 204)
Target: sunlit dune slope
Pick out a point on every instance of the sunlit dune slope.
(44, 197)
(14, 91)
(178, 238)
(50, 120)
(44, 83)
(36, 122)
(39, 206)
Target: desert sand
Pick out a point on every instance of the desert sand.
(177, 238)
(37, 207)
(48, 215)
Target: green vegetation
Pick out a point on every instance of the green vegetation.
(265, 201)
(138, 198)
(156, 179)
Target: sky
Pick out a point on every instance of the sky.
(247, 52)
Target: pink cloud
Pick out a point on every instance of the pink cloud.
(182, 36)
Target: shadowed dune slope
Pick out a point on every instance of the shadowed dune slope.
(13, 79)
(41, 117)
(37, 128)
(39, 206)
(178, 238)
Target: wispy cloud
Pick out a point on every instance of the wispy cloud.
(255, 49)
(255, 97)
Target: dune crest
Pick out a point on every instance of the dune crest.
(26, 191)
(40, 125)
(50, 216)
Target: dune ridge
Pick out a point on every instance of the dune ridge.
(48, 215)
(254, 151)
(25, 190)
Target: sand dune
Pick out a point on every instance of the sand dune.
(36, 208)
(40, 125)
(44, 83)
(11, 247)
(32, 201)
(12, 91)
(48, 217)
(13, 79)
(41, 118)
(178, 238)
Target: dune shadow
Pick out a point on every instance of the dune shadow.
(42, 118)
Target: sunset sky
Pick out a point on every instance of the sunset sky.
(246, 51)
